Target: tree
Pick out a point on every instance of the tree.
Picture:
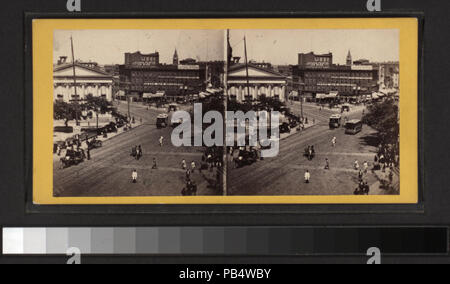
(96, 103)
(383, 117)
(65, 111)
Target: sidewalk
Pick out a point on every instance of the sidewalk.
(377, 188)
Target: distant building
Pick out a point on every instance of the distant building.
(260, 82)
(112, 69)
(90, 79)
(138, 59)
(143, 75)
(317, 74)
(311, 60)
(388, 74)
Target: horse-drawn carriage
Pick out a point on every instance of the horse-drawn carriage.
(94, 144)
(246, 157)
(73, 158)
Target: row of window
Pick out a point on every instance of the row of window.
(337, 74)
(143, 74)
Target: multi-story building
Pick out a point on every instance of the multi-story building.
(388, 74)
(144, 74)
(317, 74)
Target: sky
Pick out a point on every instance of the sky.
(110, 46)
(281, 47)
(278, 47)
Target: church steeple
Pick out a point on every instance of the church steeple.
(349, 59)
(175, 57)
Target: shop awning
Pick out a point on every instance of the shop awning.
(151, 95)
(321, 96)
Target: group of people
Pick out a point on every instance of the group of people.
(136, 152)
(363, 188)
(386, 157)
(190, 189)
(213, 158)
(310, 152)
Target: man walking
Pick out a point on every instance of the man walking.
(134, 176)
(366, 167)
(333, 141)
(193, 166)
(327, 164)
(356, 165)
(161, 141)
(155, 166)
(307, 176)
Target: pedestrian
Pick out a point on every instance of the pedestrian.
(327, 164)
(134, 176)
(194, 188)
(161, 141)
(88, 151)
(310, 153)
(360, 175)
(366, 188)
(307, 176)
(183, 165)
(193, 166)
(314, 121)
(356, 165)
(155, 166)
(391, 177)
(333, 141)
(140, 151)
(366, 167)
(188, 175)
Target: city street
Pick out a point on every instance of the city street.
(284, 174)
(108, 173)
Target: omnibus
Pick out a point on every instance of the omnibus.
(335, 121)
(353, 126)
(162, 121)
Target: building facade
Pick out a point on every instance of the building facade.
(388, 74)
(143, 74)
(90, 80)
(259, 83)
(317, 74)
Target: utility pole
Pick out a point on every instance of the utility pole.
(246, 66)
(74, 83)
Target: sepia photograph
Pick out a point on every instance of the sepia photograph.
(337, 92)
(112, 132)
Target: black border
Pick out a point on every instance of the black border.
(219, 208)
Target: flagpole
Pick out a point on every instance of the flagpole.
(225, 103)
(246, 66)
(74, 83)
